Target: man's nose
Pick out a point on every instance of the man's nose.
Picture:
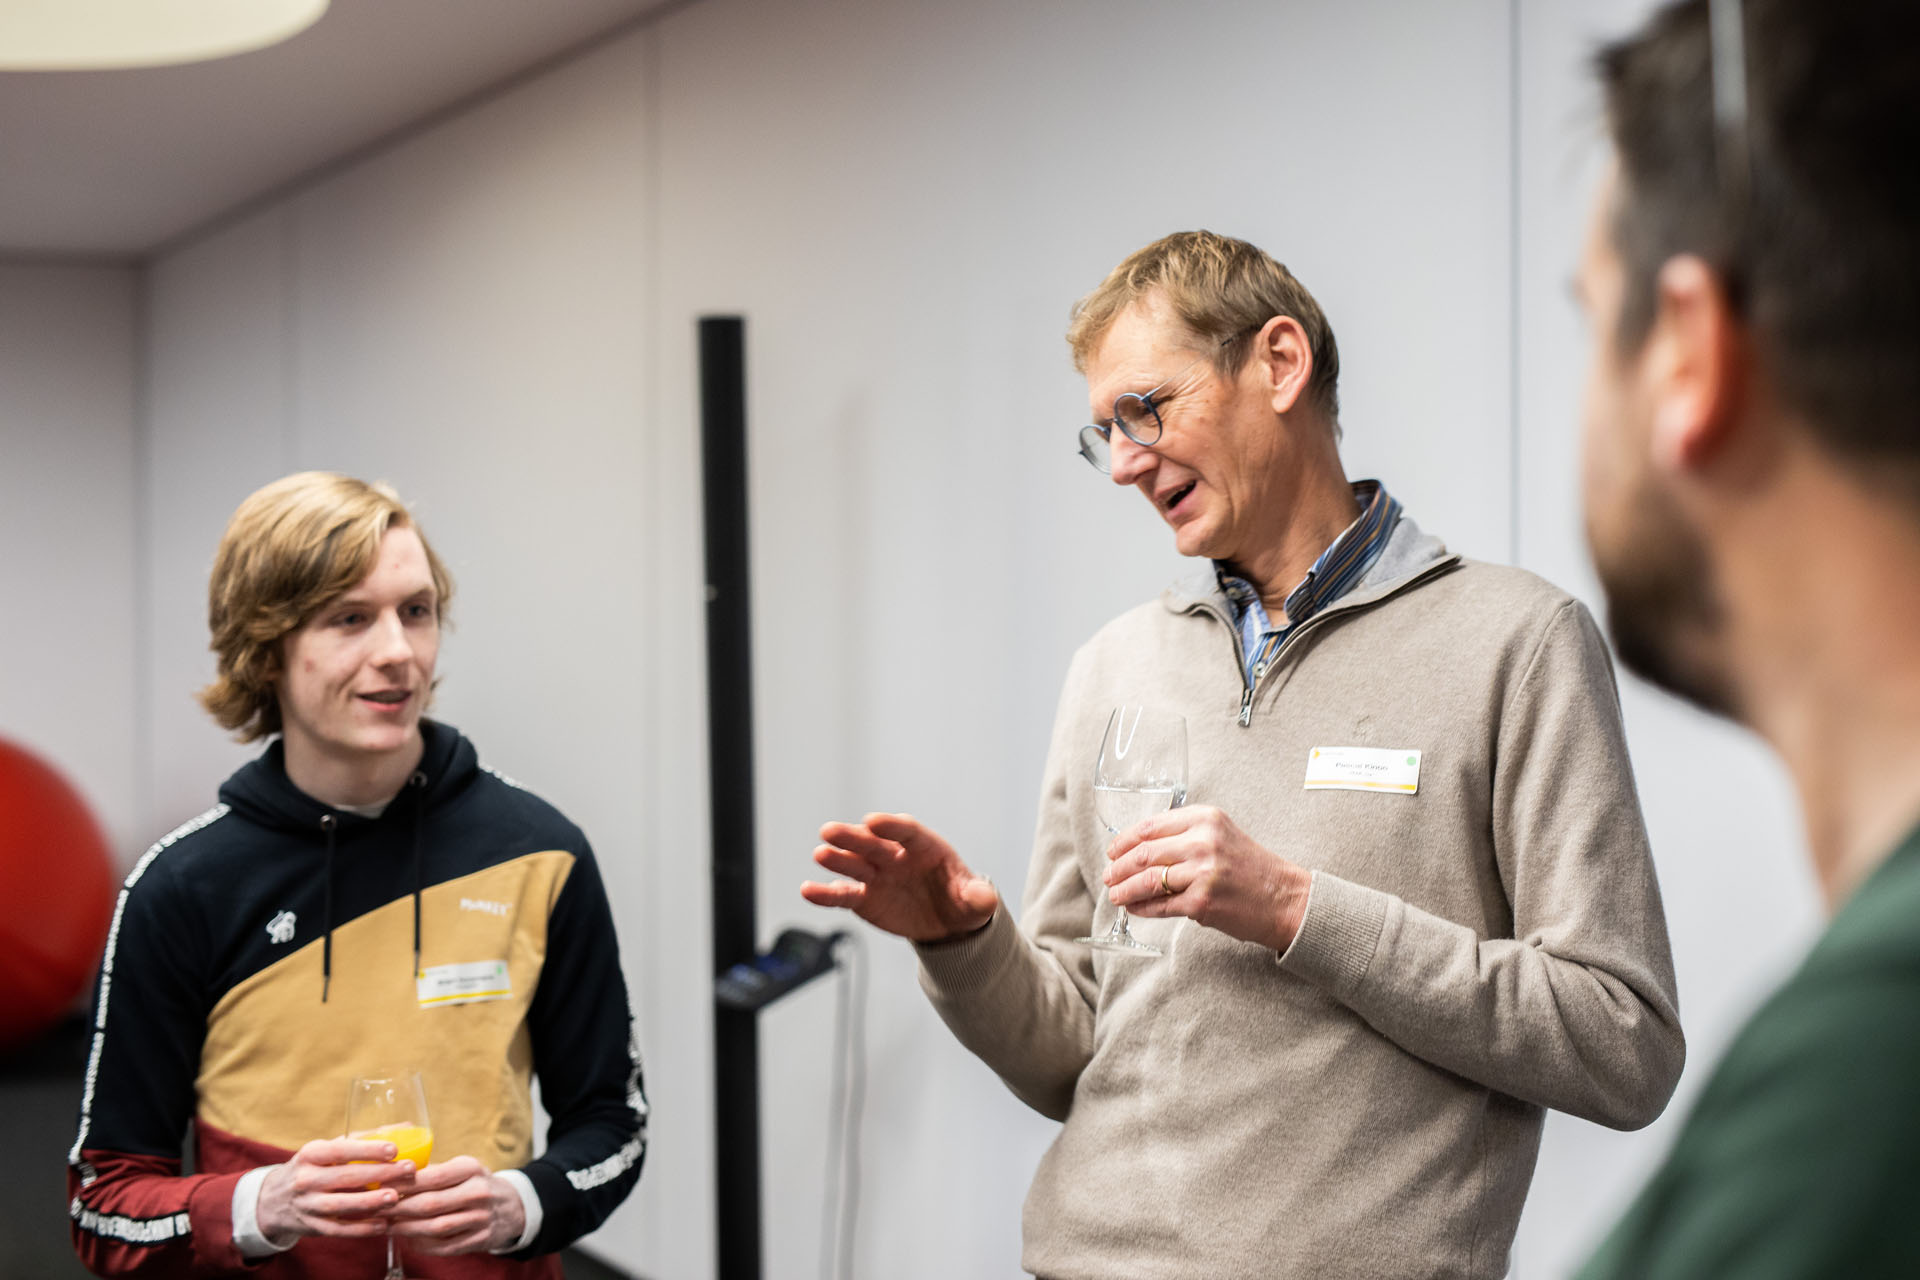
(390, 643)
(1129, 460)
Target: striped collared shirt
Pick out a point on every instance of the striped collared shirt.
(1339, 567)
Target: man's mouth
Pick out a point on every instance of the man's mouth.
(1174, 498)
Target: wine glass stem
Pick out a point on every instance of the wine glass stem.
(1118, 931)
(393, 1265)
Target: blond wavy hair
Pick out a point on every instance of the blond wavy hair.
(291, 549)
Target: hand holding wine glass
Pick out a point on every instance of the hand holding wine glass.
(327, 1189)
(1197, 862)
(392, 1108)
(458, 1206)
(1141, 771)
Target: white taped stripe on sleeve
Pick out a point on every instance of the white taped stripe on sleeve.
(207, 819)
(515, 784)
(112, 1226)
(636, 1100)
(599, 1175)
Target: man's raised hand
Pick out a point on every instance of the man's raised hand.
(902, 877)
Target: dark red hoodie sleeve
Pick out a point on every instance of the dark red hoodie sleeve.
(139, 1217)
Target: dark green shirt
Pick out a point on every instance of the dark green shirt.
(1802, 1156)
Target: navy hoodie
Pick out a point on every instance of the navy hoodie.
(271, 950)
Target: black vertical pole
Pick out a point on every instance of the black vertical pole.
(736, 1049)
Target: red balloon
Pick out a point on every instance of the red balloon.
(57, 889)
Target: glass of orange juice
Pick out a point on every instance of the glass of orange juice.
(392, 1108)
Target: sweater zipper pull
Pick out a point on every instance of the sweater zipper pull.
(1246, 707)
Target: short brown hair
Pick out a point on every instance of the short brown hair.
(291, 549)
(1221, 289)
(1808, 210)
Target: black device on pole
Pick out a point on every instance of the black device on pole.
(736, 1046)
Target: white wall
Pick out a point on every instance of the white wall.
(68, 513)
(497, 316)
(216, 427)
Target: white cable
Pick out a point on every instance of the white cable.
(840, 1206)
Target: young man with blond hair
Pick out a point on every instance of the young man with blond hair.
(365, 898)
(1369, 994)
(1752, 483)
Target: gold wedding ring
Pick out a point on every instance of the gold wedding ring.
(1166, 890)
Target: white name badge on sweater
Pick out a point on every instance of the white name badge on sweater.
(464, 983)
(1394, 769)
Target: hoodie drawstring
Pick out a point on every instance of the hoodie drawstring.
(330, 824)
(327, 824)
(419, 783)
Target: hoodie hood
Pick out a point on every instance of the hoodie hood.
(261, 792)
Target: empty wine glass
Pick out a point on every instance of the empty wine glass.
(1141, 771)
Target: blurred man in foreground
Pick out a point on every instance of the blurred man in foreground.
(1753, 508)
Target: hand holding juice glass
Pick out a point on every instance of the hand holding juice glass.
(392, 1108)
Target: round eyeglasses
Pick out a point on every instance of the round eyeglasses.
(1137, 414)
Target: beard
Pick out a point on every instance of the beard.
(1664, 612)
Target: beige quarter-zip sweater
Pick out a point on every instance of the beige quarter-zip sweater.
(1368, 1104)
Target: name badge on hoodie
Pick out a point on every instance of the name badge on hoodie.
(1391, 769)
(446, 984)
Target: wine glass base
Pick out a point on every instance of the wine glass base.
(1125, 945)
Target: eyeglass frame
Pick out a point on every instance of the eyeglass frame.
(1728, 72)
(1104, 434)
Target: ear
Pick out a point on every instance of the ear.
(1694, 359)
(1285, 360)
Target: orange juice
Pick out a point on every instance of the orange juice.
(411, 1141)
(414, 1142)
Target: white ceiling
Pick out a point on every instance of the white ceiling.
(119, 163)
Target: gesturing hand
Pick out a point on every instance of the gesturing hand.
(459, 1207)
(1197, 862)
(318, 1193)
(900, 877)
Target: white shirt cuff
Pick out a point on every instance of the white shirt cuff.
(529, 1202)
(246, 1216)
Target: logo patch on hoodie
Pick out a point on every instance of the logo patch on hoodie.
(281, 927)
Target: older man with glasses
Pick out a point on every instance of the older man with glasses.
(1409, 904)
